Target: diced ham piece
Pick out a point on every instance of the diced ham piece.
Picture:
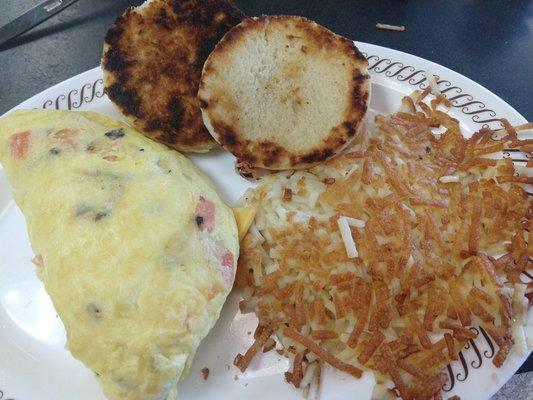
(20, 144)
(67, 137)
(227, 267)
(205, 215)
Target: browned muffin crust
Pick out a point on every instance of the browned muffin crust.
(265, 153)
(153, 59)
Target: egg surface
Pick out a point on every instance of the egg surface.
(133, 244)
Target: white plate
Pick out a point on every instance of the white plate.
(33, 362)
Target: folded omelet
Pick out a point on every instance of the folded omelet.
(132, 243)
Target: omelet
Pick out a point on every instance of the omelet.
(133, 244)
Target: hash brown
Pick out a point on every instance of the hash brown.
(393, 257)
(283, 92)
(152, 61)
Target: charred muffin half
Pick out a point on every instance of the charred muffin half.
(152, 61)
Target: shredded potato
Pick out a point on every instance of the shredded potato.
(384, 257)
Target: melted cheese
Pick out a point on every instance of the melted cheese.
(244, 217)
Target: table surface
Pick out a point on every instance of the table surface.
(488, 41)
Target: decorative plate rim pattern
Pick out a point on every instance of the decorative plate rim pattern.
(4, 398)
(417, 78)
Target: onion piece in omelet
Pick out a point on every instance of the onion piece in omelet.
(132, 242)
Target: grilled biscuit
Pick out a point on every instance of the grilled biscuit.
(152, 61)
(282, 92)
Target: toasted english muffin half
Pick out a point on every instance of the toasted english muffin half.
(152, 61)
(282, 92)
